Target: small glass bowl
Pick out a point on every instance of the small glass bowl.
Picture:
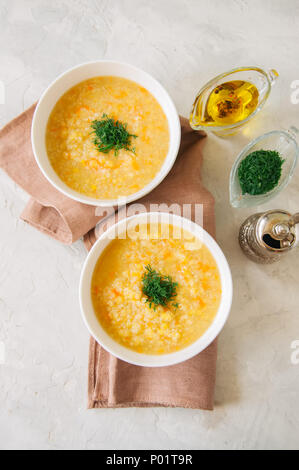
(283, 142)
(261, 79)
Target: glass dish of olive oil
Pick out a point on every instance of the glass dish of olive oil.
(230, 100)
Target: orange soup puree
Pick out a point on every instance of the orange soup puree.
(120, 303)
(70, 145)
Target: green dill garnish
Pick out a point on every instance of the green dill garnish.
(111, 134)
(260, 172)
(158, 288)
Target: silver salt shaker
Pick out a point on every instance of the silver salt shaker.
(265, 237)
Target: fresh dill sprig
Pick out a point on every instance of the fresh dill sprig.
(260, 172)
(158, 288)
(111, 135)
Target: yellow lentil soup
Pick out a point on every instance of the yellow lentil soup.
(74, 155)
(122, 307)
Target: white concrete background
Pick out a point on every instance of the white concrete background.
(43, 380)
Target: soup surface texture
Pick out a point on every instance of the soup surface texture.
(71, 149)
(122, 308)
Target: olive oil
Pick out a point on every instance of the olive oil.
(228, 103)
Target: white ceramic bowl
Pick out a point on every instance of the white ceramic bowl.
(124, 353)
(83, 72)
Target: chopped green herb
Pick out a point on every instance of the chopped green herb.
(111, 135)
(260, 172)
(158, 288)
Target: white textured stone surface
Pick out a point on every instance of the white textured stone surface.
(43, 380)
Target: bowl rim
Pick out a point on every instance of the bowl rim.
(262, 198)
(238, 123)
(175, 138)
(146, 360)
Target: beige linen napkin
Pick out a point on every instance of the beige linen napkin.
(48, 210)
(114, 383)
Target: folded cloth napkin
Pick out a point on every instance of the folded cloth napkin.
(114, 383)
(48, 210)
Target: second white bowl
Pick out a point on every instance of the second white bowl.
(128, 355)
